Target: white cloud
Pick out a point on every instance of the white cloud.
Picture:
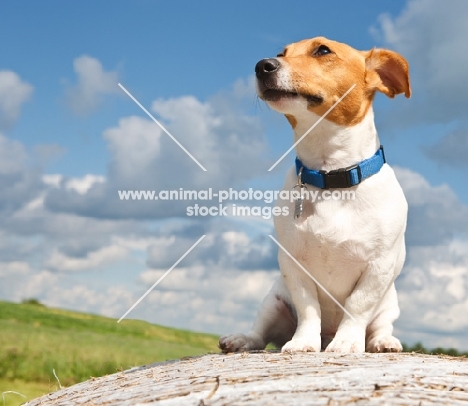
(226, 249)
(134, 146)
(432, 288)
(216, 299)
(14, 92)
(62, 262)
(93, 83)
(436, 214)
(433, 295)
(36, 284)
(78, 185)
(218, 132)
(432, 38)
(53, 180)
(451, 149)
(13, 156)
(111, 302)
(20, 280)
(217, 288)
(18, 182)
(82, 185)
(14, 267)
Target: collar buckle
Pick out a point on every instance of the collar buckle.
(341, 178)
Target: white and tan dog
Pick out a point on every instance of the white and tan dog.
(354, 248)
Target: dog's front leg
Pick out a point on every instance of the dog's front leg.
(304, 296)
(361, 304)
(275, 323)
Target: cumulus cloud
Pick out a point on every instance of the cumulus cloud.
(433, 293)
(28, 222)
(93, 83)
(227, 141)
(436, 215)
(450, 150)
(18, 182)
(20, 280)
(13, 156)
(433, 286)
(14, 92)
(78, 185)
(217, 288)
(219, 300)
(225, 249)
(112, 301)
(14, 267)
(135, 146)
(82, 185)
(60, 261)
(55, 290)
(431, 37)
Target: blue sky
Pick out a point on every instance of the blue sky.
(70, 138)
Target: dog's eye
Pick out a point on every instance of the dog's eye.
(322, 50)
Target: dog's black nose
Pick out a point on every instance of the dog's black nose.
(266, 66)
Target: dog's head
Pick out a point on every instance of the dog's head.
(311, 75)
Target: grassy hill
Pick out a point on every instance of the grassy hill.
(36, 340)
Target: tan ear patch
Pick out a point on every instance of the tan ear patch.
(387, 72)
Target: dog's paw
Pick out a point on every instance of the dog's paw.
(301, 345)
(240, 343)
(345, 346)
(348, 339)
(384, 344)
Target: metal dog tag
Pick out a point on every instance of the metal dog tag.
(298, 202)
(298, 206)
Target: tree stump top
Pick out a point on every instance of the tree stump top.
(272, 378)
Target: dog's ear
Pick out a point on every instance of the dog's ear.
(387, 72)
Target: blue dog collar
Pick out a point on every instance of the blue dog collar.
(343, 177)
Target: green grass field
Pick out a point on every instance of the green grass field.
(35, 340)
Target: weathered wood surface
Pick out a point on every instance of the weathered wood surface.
(272, 378)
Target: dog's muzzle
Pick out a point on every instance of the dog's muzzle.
(266, 72)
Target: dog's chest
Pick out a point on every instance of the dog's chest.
(332, 232)
(328, 235)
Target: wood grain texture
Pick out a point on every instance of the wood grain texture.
(272, 378)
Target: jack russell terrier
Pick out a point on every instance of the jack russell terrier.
(353, 249)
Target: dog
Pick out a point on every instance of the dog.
(338, 258)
